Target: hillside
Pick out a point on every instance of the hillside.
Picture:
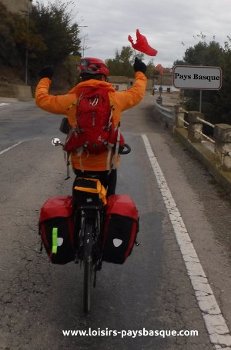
(10, 75)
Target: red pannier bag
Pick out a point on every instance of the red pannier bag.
(121, 228)
(56, 227)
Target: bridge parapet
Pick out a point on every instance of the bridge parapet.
(213, 148)
(222, 136)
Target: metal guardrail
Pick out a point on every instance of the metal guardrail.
(165, 111)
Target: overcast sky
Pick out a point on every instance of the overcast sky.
(171, 26)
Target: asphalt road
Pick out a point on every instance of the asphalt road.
(157, 289)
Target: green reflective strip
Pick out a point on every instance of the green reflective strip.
(54, 240)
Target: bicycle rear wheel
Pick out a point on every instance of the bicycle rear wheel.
(88, 267)
(87, 286)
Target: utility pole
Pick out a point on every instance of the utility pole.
(84, 47)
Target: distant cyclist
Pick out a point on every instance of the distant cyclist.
(94, 91)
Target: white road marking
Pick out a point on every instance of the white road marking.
(217, 328)
(3, 104)
(11, 147)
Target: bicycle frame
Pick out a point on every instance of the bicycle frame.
(87, 240)
(88, 218)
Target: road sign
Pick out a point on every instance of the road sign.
(197, 77)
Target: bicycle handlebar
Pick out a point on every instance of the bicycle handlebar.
(125, 149)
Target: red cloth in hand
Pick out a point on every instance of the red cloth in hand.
(142, 44)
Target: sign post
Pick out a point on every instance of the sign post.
(197, 78)
(200, 105)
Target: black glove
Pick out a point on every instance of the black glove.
(139, 66)
(46, 72)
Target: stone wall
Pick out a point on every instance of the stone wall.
(21, 92)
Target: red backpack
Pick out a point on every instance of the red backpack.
(95, 130)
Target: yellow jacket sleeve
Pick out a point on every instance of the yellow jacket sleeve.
(55, 104)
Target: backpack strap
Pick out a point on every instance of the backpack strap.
(109, 124)
(67, 160)
(114, 158)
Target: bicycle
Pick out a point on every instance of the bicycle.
(89, 213)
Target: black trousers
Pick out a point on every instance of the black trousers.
(108, 179)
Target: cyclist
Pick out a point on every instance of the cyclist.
(93, 72)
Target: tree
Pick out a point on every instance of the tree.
(15, 40)
(8, 49)
(122, 63)
(204, 54)
(60, 36)
(150, 73)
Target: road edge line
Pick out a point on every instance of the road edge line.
(215, 323)
(11, 147)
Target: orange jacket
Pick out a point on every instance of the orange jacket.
(66, 104)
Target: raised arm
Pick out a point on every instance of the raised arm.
(58, 104)
(132, 96)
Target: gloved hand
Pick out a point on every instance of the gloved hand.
(46, 72)
(139, 66)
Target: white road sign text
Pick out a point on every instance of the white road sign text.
(197, 77)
